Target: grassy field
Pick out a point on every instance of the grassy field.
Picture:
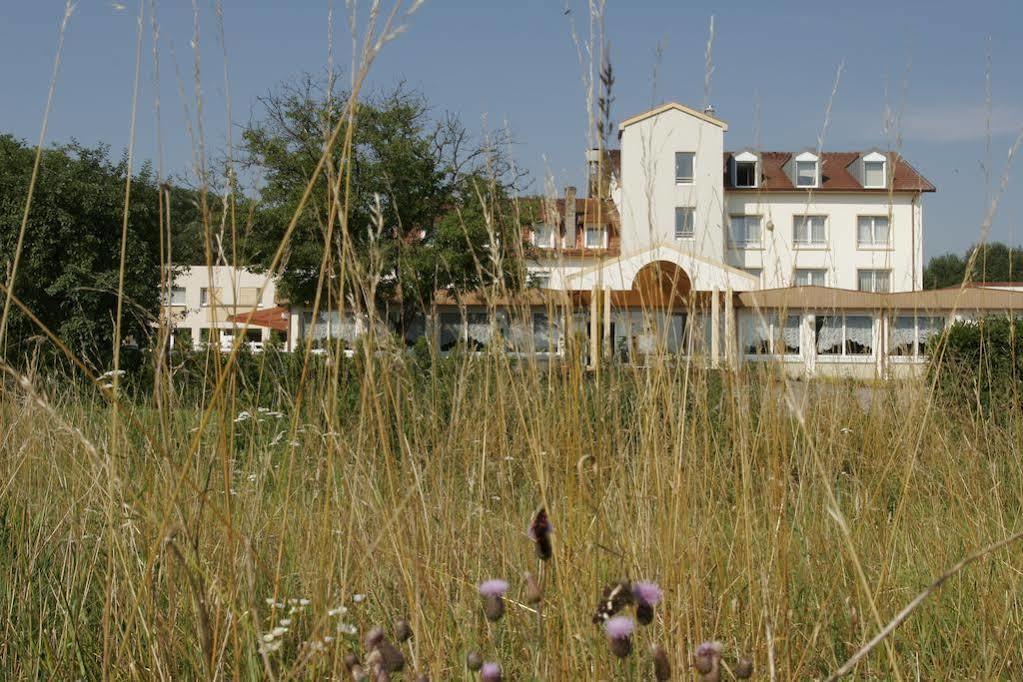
(171, 541)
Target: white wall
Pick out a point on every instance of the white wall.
(232, 291)
(649, 193)
(842, 257)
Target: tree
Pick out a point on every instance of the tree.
(994, 262)
(69, 268)
(424, 204)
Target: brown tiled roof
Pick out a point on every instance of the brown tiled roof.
(835, 174)
(588, 211)
(825, 298)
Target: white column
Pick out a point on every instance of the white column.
(608, 341)
(729, 329)
(715, 341)
(594, 329)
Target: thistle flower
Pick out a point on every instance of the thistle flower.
(490, 672)
(402, 631)
(743, 669)
(662, 667)
(708, 655)
(492, 592)
(473, 661)
(373, 638)
(619, 635)
(540, 534)
(647, 595)
(533, 594)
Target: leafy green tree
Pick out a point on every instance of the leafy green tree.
(69, 267)
(994, 262)
(424, 205)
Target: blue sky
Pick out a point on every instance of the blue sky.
(514, 64)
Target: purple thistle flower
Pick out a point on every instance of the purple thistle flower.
(707, 656)
(709, 649)
(619, 627)
(490, 672)
(647, 592)
(619, 635)
(492, 592)
(493, 588)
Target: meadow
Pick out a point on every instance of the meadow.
(173, 540)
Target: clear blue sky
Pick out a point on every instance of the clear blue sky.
(514, 64)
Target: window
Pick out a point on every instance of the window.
(176, 296)
(450, 331)
(763, 334)
(684, 162)
(810, 277)
(594, 237)
(204, 297)
(756, 272)
(809, 230)
(874, 174)
(844, 335)
(745, 173)
(479, 331)
(684, 222)
(806, 173)
(872, 231)
(543, 236)
(544, 334)
(908, 335)
(878, 281)
(542, 279)
(744, 230)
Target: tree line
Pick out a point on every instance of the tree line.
(408, 199)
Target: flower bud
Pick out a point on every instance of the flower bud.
(662, 667)
(402, 631)
(534, 595)
(473, 661)
(743, 669)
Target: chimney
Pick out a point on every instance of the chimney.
(593, 168)
(709, 110)
(570, 239)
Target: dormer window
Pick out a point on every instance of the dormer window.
(543, 236)
(875, 171)
(595, 237)
(807, 170)
(744, 170)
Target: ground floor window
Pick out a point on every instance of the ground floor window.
(768, 333)
(908, 335)
(844, 335)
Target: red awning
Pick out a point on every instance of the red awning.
(274, 318)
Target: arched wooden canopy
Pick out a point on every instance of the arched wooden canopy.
(660, 284)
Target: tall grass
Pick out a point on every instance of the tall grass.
(421, 484)
(261, 523)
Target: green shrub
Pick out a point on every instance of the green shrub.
(980, 363)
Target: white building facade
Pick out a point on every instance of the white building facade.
(810, 258)
(211, 304)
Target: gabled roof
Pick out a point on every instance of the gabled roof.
(676, 107)
(835, 174)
